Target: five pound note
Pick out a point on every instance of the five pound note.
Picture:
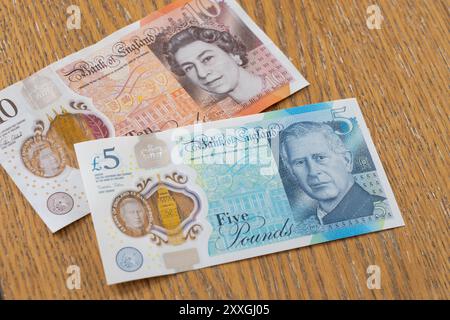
(221, 191)
(191, 61)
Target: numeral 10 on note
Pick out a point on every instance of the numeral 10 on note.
(198, 7)
(7, 110)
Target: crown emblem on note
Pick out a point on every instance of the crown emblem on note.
(151, 152)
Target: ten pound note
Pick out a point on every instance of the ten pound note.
(227, 190)
(190, 61)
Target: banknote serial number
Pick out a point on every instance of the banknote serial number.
(250, 310)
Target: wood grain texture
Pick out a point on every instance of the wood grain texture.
(400, 76)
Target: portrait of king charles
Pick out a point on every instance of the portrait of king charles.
(322, 167)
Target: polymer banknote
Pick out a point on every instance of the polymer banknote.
(191, 61)
(221, 191)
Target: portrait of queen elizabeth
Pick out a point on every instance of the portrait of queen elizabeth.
(215, 61)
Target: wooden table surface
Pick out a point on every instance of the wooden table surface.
(400, 76)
